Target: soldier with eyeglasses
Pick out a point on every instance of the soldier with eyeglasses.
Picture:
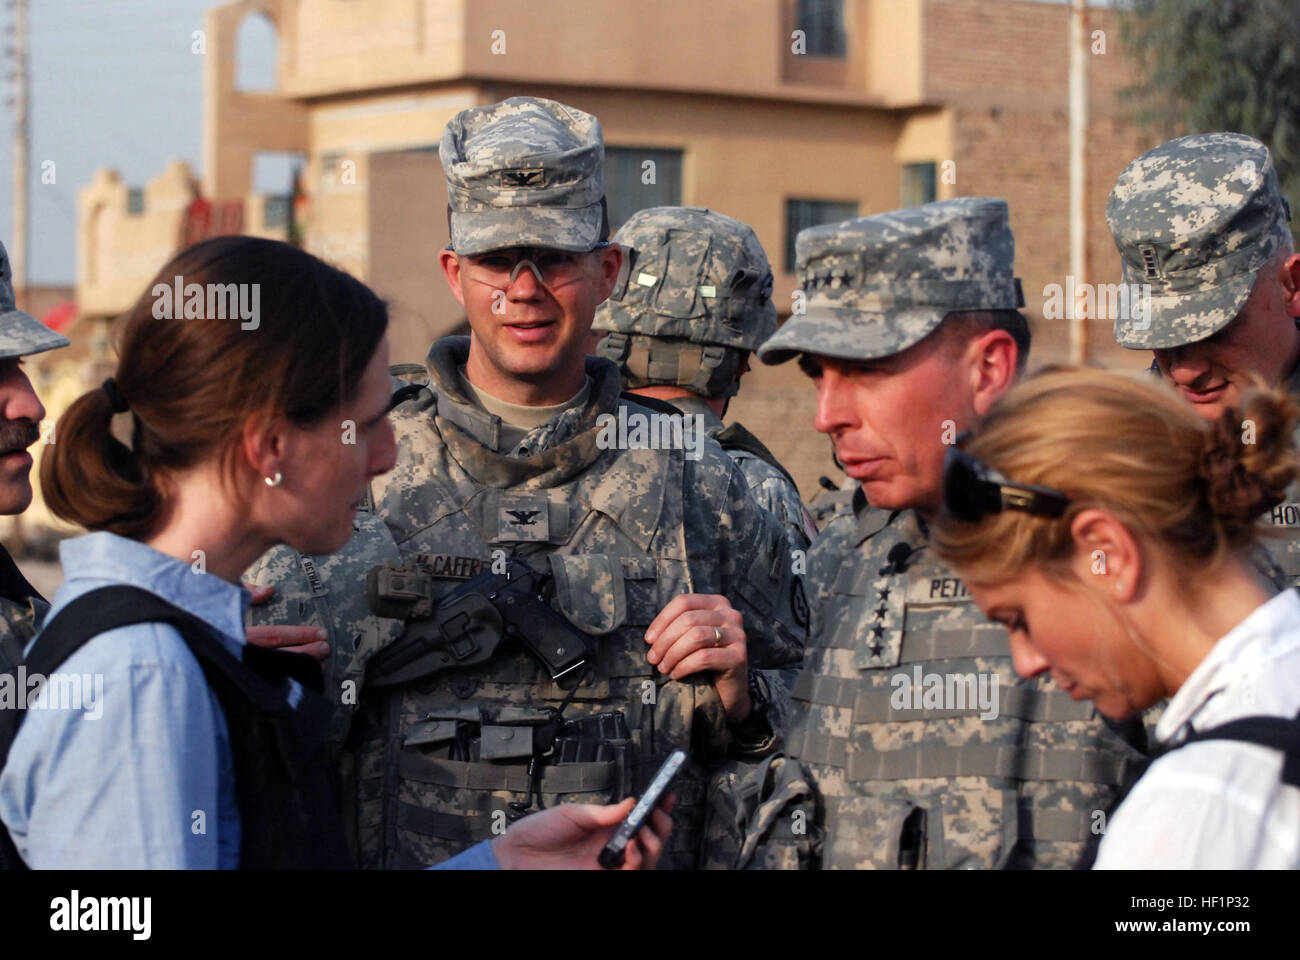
(666, 578)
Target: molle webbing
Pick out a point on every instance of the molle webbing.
(928, 762)
(871, 704)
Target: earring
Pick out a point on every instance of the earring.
(274, 481)
(1119, 585)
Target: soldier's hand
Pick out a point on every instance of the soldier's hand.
(570, 836)
(290, 639)
(701, 631)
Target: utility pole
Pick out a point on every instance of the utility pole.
(17, 246)
(1078, 176)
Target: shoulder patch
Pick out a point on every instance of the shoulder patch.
(799, 602)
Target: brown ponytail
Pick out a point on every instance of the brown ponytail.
(192, 373)
(91, 478)
(1248, 461)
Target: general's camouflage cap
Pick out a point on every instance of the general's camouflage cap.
(21, 333)
(691, 274)
(875, 286)
(524, 172)
(1195, 218)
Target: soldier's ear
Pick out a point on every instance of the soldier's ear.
(993, 357)
(450, 264)
(1289, 277)
(611, 265)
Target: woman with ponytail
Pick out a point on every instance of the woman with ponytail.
(1110, 530)
(249, 408)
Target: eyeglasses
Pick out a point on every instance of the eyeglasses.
(552, 268)
(972, 490)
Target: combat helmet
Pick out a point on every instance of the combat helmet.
(693, 298)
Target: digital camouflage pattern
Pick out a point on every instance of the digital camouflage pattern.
(770, 484)
(775, 492)
(693, 298)
(526, 172)
(20, 333)
(1195, 218)
(832, 503)
(622, 531)
(1278, 550)
(903, 783)
(691, 274)
(873, 286)
(19, 621)
(879, 772)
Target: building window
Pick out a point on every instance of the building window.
(640, 177)
(135, 200)
(802, 214)
(918, 184)
(822, 22)
(277, 212)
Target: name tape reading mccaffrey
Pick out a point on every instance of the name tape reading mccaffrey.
(452, 566)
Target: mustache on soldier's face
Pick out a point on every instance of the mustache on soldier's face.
(16, 435)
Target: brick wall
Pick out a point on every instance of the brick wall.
(1003, 67)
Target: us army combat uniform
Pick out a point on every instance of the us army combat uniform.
(692, 301)
(694, 298)
(912, 742)
(442, 760)
(1281, 539)
(1012, 780)
(1194, 221)
(22, 610)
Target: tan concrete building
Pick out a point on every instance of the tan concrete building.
(782, 113)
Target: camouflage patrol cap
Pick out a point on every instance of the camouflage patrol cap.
(524, 172)
(20, 333)
(1195, 218)
(691, 274)
(875, 286)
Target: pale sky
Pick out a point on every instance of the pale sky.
(113, 84)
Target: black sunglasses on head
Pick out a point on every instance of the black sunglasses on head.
(972, 490)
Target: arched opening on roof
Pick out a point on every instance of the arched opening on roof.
(256, 54)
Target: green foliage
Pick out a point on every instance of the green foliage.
(1213, 65)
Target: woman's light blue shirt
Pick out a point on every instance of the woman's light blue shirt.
(141, 774)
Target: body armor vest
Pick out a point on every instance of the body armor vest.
(441, 762)
(924, 748)
(286, 789)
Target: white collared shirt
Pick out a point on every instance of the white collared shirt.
(1220, 804)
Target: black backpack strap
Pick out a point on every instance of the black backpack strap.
(259, 677)
(1278, 733)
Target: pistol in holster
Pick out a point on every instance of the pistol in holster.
(466, 626)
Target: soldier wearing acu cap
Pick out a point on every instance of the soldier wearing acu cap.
(666, 577)
(913, 743)
(692, 301)
(21, 607)
(1202, 230)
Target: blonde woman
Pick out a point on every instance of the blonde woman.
(1109, 528)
